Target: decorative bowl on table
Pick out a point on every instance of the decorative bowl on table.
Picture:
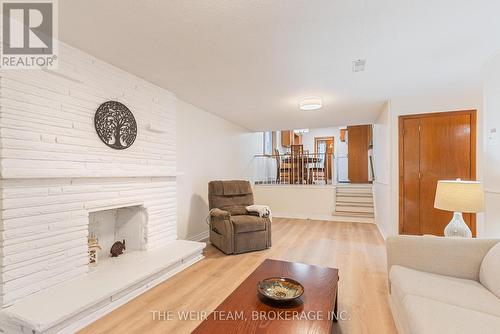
(280, 289)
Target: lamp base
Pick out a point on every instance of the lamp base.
(457, 227)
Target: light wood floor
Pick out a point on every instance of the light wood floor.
(357, 250)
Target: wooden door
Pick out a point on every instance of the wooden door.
(358, 141)
(433, 147)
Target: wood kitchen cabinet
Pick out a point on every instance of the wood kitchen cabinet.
(289, 138)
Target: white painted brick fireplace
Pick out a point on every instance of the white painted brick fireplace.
(55, 172)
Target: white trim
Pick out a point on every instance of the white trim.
(315, 186)
(93, 209)
(200, 236)
(332, 218)
(302, 216)
(492, 191)
(382, 233)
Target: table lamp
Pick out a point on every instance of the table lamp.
(459, 196)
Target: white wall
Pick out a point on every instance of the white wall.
(418, 105)
(308, 139)
(382, 164)
(340, 148)
(491, 119)
(208, 148)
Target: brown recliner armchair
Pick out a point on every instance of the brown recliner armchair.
(232, 229)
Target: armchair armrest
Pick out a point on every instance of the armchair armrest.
(459, 258)
(219, 214)
(220, 222)
(221, 230)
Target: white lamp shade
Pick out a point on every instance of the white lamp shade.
(459, 196)
(310, 103)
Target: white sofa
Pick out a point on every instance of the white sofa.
(444, 285)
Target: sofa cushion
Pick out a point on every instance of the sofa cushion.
(247, 223)
(460, 292)
(428, 316)
(489, 274)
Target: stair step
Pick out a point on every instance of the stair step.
(353, 209)
(357, 199)
(354, 201)
(354, 214)
(354, 190)
(342, 194)
(354, 185)
(353, 219)
(357, 204)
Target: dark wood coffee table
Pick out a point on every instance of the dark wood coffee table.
(245, 311)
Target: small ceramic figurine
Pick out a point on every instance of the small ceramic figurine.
(94, 249)
(117, 248)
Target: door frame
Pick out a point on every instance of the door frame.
(329, 173)
(316, 139)
(473, 135)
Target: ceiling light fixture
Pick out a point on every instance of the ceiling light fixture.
(310, 103)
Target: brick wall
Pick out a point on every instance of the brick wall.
(55, 169)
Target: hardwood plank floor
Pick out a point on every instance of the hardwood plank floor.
(356, 249)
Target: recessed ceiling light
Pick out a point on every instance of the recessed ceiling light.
(310, 103)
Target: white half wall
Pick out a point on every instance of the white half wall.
(297, 201)
(491, 119)
(208, 148)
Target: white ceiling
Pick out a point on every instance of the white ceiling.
(251, 61)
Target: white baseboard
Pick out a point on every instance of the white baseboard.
(381, 231)
(332, 218)
(302, 216)
(199, 237)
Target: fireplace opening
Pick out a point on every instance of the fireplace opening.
(106, 227)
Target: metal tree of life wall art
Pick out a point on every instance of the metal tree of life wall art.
(115, 125)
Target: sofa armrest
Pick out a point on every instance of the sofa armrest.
(455, 257)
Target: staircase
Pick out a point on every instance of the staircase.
(354, 203)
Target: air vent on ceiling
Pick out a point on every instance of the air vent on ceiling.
(358, 65)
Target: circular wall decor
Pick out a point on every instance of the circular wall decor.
(115, 125)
